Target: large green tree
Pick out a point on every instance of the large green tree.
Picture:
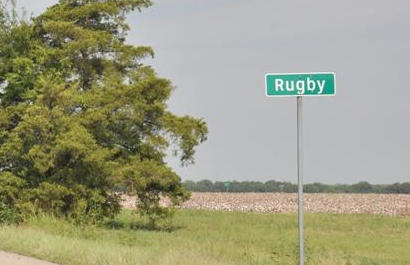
(81, 113)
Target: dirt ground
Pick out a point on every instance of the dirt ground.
(14, 259)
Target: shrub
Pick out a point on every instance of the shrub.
(10, 192)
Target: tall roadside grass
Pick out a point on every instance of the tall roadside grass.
(210, 238)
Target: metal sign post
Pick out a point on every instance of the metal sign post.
(300, 182)
(299, 85)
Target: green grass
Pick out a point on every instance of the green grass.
(210, 238)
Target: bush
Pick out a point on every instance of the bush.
(9, 215)
(92, 206)
(82, 205)
(10, 192)
(151, 181)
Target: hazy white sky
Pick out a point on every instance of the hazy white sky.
(216, 52)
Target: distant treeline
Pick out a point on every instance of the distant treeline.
(287, 187)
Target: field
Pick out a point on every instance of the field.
(206, 237)
(382, 204)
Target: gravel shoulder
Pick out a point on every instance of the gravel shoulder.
(14, 259)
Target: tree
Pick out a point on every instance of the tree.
(80, 113)
(362, 187)
(205, 185)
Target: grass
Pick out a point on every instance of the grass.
(210, 238)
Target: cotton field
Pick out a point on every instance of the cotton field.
(382, 204)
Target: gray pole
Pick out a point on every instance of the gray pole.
(300, 182)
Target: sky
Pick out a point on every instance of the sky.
(216, 53)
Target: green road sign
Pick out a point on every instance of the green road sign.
(300, 84)
(227, 186)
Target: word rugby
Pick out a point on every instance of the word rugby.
(305, 84)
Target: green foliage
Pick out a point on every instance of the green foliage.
(151, 182)
(80, 114)
(287, 187)
(10, 189)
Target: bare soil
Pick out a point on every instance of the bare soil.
(14, 259)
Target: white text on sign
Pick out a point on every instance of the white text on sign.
(301, 86)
